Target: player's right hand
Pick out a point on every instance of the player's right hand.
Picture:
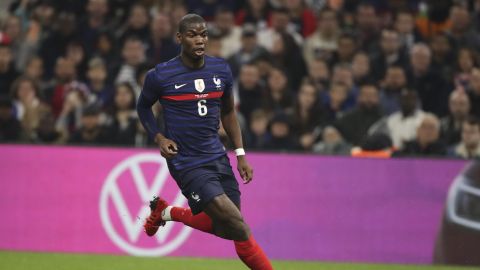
(168, 148)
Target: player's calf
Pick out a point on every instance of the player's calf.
(233, 228)
(229, 224)
(227, 219)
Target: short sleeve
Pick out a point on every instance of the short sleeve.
(228, 81)
(151, 86)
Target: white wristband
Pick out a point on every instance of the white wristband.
(240, 152)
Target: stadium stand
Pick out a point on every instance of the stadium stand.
(311, 75)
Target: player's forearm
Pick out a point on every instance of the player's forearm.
(145, 114)
(232, 128)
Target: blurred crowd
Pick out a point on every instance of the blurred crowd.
(338, 77)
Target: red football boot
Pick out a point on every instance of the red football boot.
(154, 221)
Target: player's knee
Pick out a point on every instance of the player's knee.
(238, 228)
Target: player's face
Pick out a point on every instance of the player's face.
(194, 40)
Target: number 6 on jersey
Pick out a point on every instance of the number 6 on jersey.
(202, 108)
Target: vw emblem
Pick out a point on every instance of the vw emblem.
(124, 206)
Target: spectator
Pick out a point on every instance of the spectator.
(46, 15)
(77, 98)
(279, 95)
(461, 31)
(208, 8)
(122, 128)
(405, 26)
(401, 125)
(332, 143)
(107, 50)
(390, 54)
(7, 68)
(76, 53)
(431, 87)
(179, 10)
(93, 24)
(469, 146)
(133, 54)
(21, 9)
(54, 46)
(301, 17)
(361, 68)
(466, 61)
(13, 29)
(34, 70)
(354, 124)
(308, 116)
(335, 101)
(137, 24)
(98, 84)
(367, 26)
(476, 16)
(345, 51)
(255, 12)
(10, 128)
(91, 132)
(323, 43)
(214, 47)
(24, 44)
(442, 55)
(264, 65)
(427, 142)
(140, 75)
(280, 134)
(280, 24)
(250, 90)
(162, 46)
(48, 132)
(451, 125)
(287, 55)
(28, 106)
(319, 75)
(394, 82)
(342, 74)
(257, 135)
(474, 92)
(65, 73)
(249, 50)
(230, 33)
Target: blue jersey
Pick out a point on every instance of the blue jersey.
(191, 100)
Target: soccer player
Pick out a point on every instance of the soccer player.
(196, 93)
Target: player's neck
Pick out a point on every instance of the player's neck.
(191, 62)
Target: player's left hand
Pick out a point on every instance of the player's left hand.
(245, 170)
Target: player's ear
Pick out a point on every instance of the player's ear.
(178, 38)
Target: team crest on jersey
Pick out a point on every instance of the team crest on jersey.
(218, 82)
(199, 85)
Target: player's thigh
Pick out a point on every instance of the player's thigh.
(229, 181)
(222, 210)
(230, 186)
(199, 186)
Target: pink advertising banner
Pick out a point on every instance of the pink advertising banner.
(94, 200)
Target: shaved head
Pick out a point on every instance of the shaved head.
(188, 20)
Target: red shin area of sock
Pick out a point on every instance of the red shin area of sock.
(248, 251)
(200, 221)
(252, 255)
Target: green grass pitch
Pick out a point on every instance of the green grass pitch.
(55, 261)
